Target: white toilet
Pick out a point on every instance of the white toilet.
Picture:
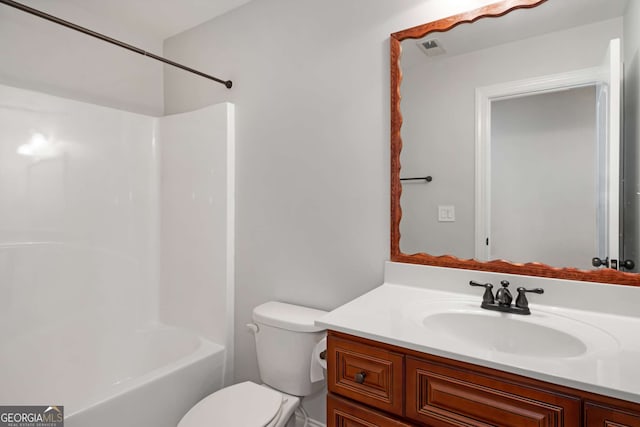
(285, 338)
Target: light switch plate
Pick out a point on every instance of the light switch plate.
(446, 213)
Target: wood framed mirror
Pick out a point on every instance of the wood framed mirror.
(469, 191)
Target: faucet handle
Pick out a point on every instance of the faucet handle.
(521, 301)
(487, 298)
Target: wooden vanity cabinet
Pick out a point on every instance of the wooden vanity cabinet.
(439, 395)
(366, 373)
(597, 415)
(345, 413)
(375, 384)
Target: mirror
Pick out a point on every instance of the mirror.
(512, 148)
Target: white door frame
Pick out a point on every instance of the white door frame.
(515, 89)
(613, 69)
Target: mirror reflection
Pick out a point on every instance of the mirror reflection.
(519, 121)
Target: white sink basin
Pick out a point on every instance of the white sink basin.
(506, 335)
(568, 344)
(455, 323)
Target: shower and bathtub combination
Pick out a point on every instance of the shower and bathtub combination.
(116, 259)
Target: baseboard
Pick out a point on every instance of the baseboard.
(311, 423)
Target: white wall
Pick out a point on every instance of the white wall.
(197, 228)
(439, 137)
(542, 204)
(39, 55)
(631, 149)
(77, 218)
(311, 89)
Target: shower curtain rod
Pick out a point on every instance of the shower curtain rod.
(107, 39)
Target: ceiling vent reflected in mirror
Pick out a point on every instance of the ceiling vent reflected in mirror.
(431, 47)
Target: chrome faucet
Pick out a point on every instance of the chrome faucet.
(502, 300)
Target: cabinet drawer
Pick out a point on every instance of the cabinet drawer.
(365, 373)
(601, 416)
(443, 396)
(343, 413)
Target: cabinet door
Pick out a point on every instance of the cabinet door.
(602, 416)
(343, 413)
(442, 396)
(365, 373)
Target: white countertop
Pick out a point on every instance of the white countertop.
(391, 314)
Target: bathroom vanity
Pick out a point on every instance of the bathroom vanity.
(389, 364)
(372, 383)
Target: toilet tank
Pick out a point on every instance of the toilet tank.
(285, 338)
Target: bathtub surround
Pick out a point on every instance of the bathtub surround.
(82, 230)
(78, 216)
(197, 174)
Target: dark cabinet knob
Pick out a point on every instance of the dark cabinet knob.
(627, 264)
(360, 376)
(597, 262)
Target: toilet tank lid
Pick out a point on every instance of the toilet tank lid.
(288, 316)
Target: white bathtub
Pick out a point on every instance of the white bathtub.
(148, 377)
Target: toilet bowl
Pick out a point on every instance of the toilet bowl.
(285, 337)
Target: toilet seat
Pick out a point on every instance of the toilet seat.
(245, 404)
